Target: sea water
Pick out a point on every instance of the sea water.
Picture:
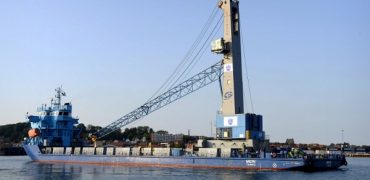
(21, 167)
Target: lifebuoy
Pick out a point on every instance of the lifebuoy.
(33, 132)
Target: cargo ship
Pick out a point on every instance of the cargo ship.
(240, 141)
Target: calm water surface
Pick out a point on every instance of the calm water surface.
(22, 168)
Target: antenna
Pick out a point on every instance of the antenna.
(59, 93)
(51, 102)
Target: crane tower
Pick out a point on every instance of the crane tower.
(232, 122)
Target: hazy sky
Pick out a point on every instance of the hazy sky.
(309, 63)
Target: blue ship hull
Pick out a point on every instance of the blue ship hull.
(35, 154)
(55, 126)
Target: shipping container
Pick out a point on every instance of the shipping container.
(161, 151)
(99, 151)
(208, 152)
(146, 151)
(136, 151)
(177, 152)
(109, 151)
(58, 150)
(225, 152)
(48, 150)
(88, 151)
(68, 150)
(120, 151)
(77, 151)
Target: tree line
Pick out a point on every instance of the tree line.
(15, 133)
(127, 134)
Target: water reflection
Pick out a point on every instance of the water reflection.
(36, 170)
(52, 171)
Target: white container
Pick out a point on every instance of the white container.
(109, 151)
(99, 151)
(58, 150)
(88, 151)
(161, 151)
(122, 151)
(207, 152)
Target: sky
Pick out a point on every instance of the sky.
(308, 63)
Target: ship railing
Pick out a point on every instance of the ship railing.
(286, 155)
(43, 108)
(325, 156)
(112, 151)
(33, 141)
(55, 108)
(137, 151)
(291, 155)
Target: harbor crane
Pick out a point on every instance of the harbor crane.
(194, 83)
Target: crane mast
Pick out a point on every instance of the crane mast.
(232, 123)
(232, 101)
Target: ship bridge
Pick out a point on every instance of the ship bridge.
(55, 122)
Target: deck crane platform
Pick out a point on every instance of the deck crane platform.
(194, 83)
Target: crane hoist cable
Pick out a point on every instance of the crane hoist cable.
(187, 56)
(246, 72)
(183, 69)
(186, 70)
(203, 50)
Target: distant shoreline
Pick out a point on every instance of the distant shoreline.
(12, 151)
(357, 155)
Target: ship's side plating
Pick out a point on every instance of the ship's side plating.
(170, 161)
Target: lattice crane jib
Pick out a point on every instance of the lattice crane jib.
(194, 83)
